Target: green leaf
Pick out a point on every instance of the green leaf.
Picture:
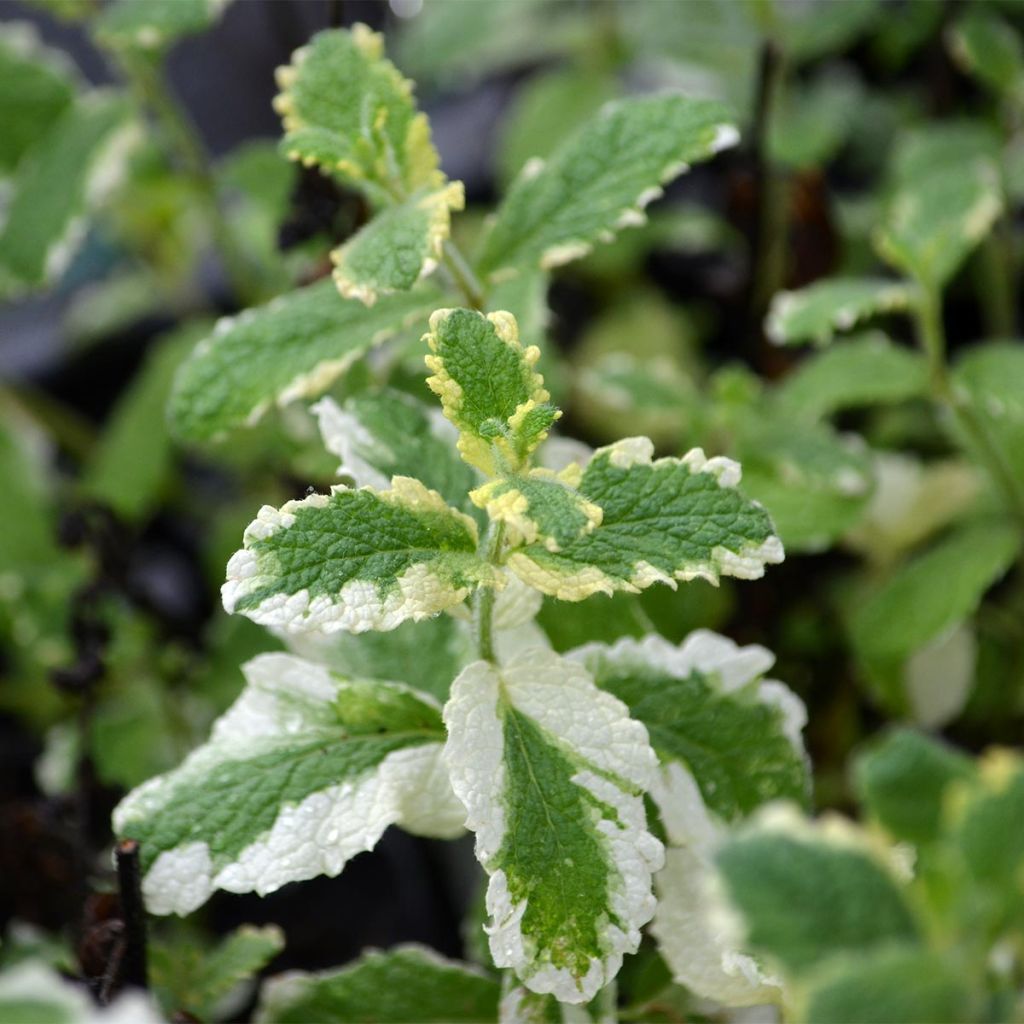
(304, 771)
(552, 772)
(932, 223)
(54, 186)
(899, 983)
(673, 519)
(815, 119)
(808, 892)
(356, 560)
(600, 179)
(939, 144)
(542, 506)
(865, 370)
(294, 347)
(153, 24)
(933, 591)
(399, 246)
(488, 387)
(31, 993)
(385, 433)
(990, 378)
(708, 710)
(822, 310)
(989, 48)
(36, 87)
(195, 980)
(405, 985)
(347, 109)
(902, 781)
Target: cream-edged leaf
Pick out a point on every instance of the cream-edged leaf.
(552, 772)
(663, 521)
(294, 347)
(405, 985)
(541, 506)
(304, 771)
(384, 433)
(356, 560)
(348, 110)
(153, 24)
(600, 179)
(398, 247)
(826, 308)
(488, 387)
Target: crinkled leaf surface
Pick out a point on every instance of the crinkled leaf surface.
(153, 24)
(303, 772)
(405, 985)
(806, 892)
(823, 309)
(552, 772)
(355, 560)
(866, 370)
(54, 185)
(488, 387)
(673, 519)
(398, 247)
(294, 347)
(36, 87)
(384, 433)
(347, 109)
(601, 178)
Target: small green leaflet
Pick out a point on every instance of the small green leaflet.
(902, 782)
(552, 772)
(673, 519)
(347, 109)
(932, 223)
(65, 173)
(153, 24)
(542, 506)
(293, 347)
(806, 892)
(600, 179)
(385, 433)
(399, 246)
(488, 387)
(304, 771)
(820, 311)
(405, 985)
(988, 47)
(36, 87)
(866, 370)
(356, 560)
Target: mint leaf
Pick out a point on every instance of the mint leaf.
(153, 24)
(600, 179)
(552, 772)
(356, 560)
(405, 985)
(488, 388)
(293, 347)
(398, 247)
(989, 48)
(304, 771)
(673, 519)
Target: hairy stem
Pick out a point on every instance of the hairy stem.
(483, 612)
(462, 274)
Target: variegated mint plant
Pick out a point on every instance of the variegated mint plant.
(419, 689)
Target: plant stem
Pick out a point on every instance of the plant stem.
(134, 969)
(608, 1003)
(462, 274)
(932, 338)
(483, 617)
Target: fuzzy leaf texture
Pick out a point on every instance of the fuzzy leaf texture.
(600, 179)
(405, 985)
(488, 388)
(294, 347)
(356, 560)
(552, 773)
(304, 771)
(349, 111)
(662, 521)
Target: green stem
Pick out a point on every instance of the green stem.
(462, 274)
(146, 77)
(608, 1003)
(997, 273)
(932, 338)
(483, 612)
